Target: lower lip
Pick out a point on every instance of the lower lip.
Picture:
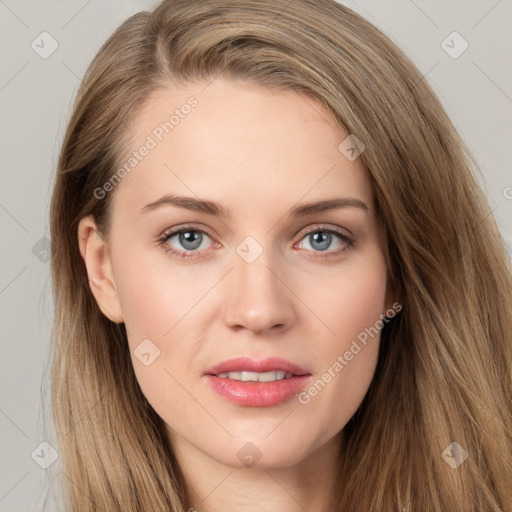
(257, 394)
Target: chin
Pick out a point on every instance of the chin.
(261, 453)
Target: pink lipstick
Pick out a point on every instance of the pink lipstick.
(253, 383)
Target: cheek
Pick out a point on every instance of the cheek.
(155, 300)
(360, 305)
(350, 300)
(154, 296)
(161, 303)
(347, 351)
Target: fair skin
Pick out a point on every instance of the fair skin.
(259, 153)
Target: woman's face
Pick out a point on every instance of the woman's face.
(257, 276)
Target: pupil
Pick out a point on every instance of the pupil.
(190, 241)
(325, 240)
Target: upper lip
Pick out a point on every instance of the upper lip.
(259, 366)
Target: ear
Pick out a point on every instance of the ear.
(97, 260)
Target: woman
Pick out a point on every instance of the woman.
(277, 284)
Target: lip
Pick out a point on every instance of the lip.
(250, 365)
(257, 394)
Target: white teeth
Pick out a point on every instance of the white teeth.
(255, 376)
(248, 376)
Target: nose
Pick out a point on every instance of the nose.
(259, 299)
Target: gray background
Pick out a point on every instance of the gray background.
(35, 101)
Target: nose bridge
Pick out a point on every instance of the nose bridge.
(258, 299)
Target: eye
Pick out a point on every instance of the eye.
(191, 242)
(321, 238)
(188, 238)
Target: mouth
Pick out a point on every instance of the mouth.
(253, 383)
(247, 376)
(265, 370)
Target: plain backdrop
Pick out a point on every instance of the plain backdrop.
(36, 92)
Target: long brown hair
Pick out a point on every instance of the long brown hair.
(444, 372)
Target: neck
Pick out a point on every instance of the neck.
(306, 486)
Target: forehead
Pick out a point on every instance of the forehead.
(238, 142)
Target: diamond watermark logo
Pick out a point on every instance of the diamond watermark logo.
(351, 147)
(146, 352)
(454, 455)
(41, 249)
(249, 249)
(455, 45)
(44, 45)
(44, 455)
(249, 454)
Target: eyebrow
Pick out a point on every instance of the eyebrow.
(213, 208)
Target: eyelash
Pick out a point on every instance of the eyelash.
(186, 255)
